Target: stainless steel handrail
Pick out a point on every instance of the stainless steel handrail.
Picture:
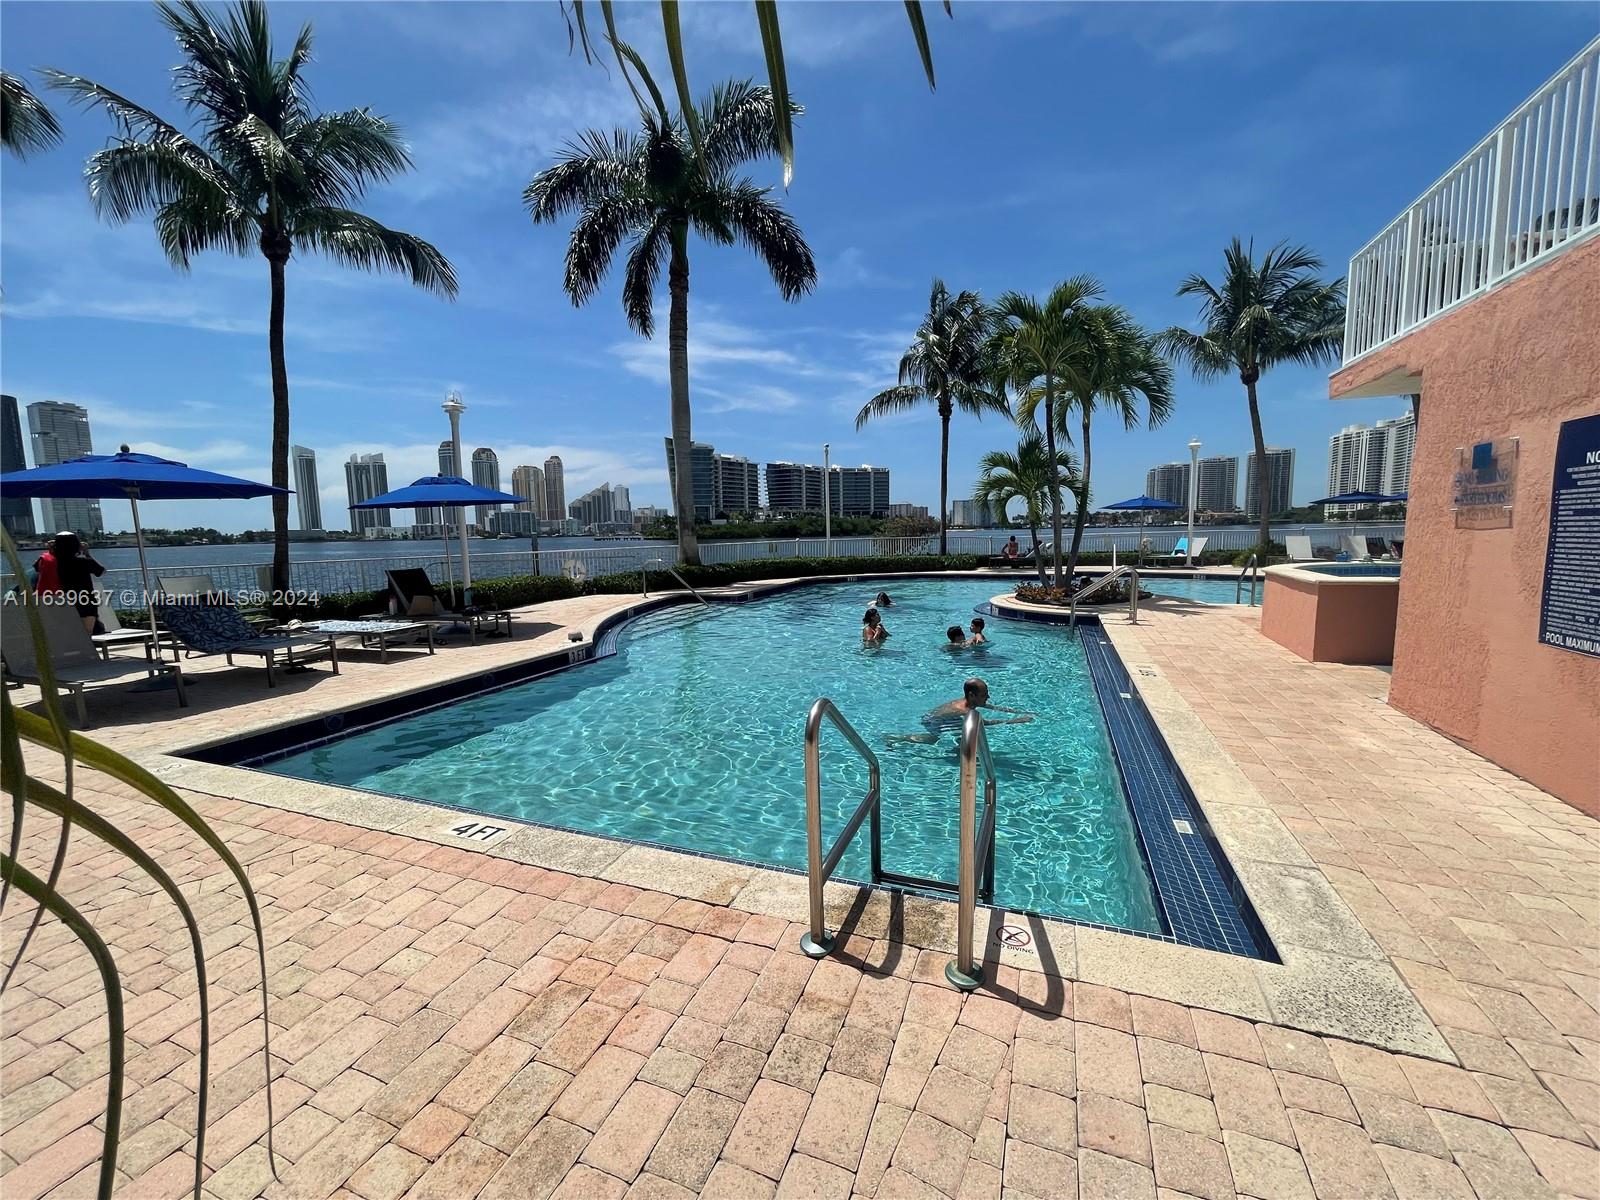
(644, 578)
(977, 842)
(1133, 593)
(819, 867)
(1252, 571)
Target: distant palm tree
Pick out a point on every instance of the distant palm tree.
(1118, 368)
(266, 175)
(948, 365)
(1258, 316)
(651, 189)
(1024, 474)
(1041, 348)
(26, 124)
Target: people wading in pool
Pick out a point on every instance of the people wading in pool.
(949, 717)
(955, 638)
(977, 638)
(872, 631)
(883, 601)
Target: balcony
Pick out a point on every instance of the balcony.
(1524, 194)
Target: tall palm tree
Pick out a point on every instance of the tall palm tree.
(1040, 348)
(651, 189)
(1257, 316)
(26, 124)
(1118, 368)
(949, 365)
(265, 174)
(1024, 474)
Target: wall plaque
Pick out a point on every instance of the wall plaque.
(1485, 484)
(1569, 612)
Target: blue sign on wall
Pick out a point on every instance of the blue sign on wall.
(1569, 613)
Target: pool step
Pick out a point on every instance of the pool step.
(665, 620)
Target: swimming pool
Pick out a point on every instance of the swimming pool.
(1202, 590)
(690, 736)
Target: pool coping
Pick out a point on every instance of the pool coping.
(1312, 575)
(1333, 980)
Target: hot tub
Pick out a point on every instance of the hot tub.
(1333, 612)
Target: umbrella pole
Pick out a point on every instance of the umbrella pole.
(466, 562)
(144, 577)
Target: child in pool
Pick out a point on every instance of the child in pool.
(977, 638)
(872, 631)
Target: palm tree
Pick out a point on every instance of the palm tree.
(651, 189)
(265, 175)
(1258, 316)
(26, 124)
(1119, 368)
(949, 365)
(1040, 349)
(1024, 474)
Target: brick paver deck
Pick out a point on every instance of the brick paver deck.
(448, 1024)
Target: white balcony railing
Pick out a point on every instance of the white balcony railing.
(1528, 190)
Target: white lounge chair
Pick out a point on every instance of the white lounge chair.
(1181, 550)
(73, 656)
(117, 634)
(187, 585)
(1355, 547)
(1298, 546)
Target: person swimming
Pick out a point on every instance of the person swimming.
(955, 638)
(883, 601)
(951, 716)
(872, 631)
(977, 638)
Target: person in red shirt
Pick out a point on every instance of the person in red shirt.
(66, 572)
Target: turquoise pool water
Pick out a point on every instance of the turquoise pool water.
(691, 736)
(1205, 591)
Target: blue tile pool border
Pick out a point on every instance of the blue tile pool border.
(1201, 901)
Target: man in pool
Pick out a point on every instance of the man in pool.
(949, 717)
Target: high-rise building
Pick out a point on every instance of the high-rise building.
(1370, 459)
(594, 508)
(970, 514)
(621, 505)
(793, 488)
(61, 432)
(366, 476)
(907, 509)
(1219, 484)
(555, 489)
(485, 474)
(529, 481)
(447, 459)
(308, 500)
(737, 484)
(1169, 482)
(16, 512)
(703, 478)
(859, 491)
(1280, 483)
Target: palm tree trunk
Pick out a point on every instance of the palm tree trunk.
(678, 370)
(944, 472)
(1263, 490)
(1038, 561)
(1054, 469)
(277, 257)
(1082, 517)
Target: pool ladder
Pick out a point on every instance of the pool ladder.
(644, 578)
(1251, 572)
(1128, 569)
(976, 837)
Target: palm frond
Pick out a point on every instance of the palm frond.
(642, 271)
(595, 237)
(26, 125)
(356, 240)
(892, 401)
(778, 85)
(673, 35)
(773, 234)
(343, 153)
(737, 122)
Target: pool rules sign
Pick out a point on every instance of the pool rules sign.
(1569, 614)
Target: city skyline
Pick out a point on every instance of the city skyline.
(371, 358)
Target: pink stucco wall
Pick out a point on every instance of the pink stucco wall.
(1513, 363)
(1330, 620)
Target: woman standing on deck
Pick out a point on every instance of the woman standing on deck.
(66, 572)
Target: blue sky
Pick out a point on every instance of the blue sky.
(1126, 141)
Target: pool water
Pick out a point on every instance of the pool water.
(1204, 591)
(691, 736)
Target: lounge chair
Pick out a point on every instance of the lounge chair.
(117, 635)
(1397, 547)
(221, 629)
(1298, 546)
(1355, 548)
(73, 656)
(1181, 550)
(187, 585)
(416, 600)
(1377, 547)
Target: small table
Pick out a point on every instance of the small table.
(369, 632)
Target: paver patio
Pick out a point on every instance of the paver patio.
(449, 1024)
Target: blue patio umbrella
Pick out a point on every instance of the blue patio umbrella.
(1142, 505)
(1359, 498)
(136, 477)
(444, 491)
